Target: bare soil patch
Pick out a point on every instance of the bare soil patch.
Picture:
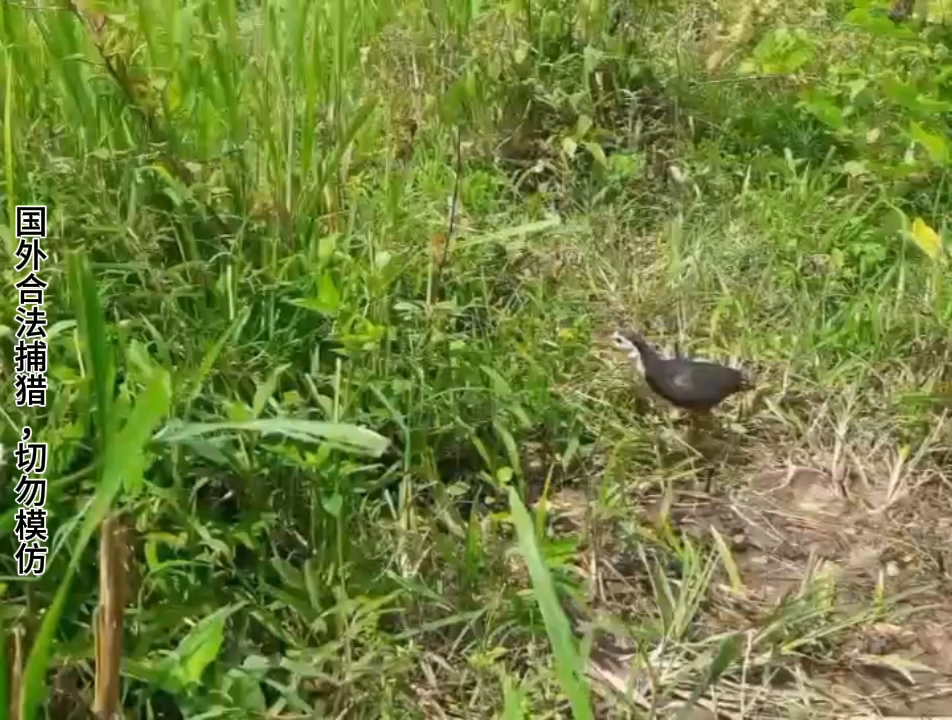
(857, 558)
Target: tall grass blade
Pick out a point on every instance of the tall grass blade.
(125, 459)
(4, 672)
(728, 651)
(568, 662)
(91, 323)
(8, 158)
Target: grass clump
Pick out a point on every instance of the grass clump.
(328, 292)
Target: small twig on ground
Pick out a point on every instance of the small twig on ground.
(454, 210)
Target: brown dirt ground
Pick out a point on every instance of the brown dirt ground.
(783, 522)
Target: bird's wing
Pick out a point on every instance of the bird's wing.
(682, 379)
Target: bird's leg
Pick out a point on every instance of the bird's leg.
(700, 427)
(702, 441)
(697, 426)
(693, 430)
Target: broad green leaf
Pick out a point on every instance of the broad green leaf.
(200, 647)
(822, 106)
(328, 294)
(327, 301)
(245, 692)
(332, 503)
(936, 145)
(352, 438)
(568, 661)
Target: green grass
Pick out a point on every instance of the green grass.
(373, 474)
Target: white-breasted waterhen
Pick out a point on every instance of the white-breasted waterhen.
(693, 385)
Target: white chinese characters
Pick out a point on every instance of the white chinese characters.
(30, 366)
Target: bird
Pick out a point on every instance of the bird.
(694, 385)
(697, 386)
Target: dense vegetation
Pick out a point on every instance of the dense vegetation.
(329, 289)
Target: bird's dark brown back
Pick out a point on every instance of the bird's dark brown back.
(693, 384)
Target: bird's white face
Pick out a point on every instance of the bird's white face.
(626, 346)
(621, 342)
